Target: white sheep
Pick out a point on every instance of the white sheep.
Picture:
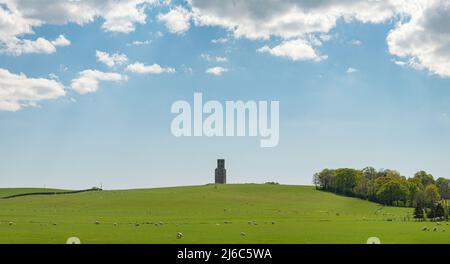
(97, 222)
(179, 235)
(424, 228)
(435, 229)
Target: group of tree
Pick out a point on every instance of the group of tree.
(427, 195)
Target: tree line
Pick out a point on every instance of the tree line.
(422, 191)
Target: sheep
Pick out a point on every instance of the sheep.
(424, 228)
(115, 224)
(437, 223)
(97, 222)
(243, 234)
(11, 223)
(179, 235)
(435, 229)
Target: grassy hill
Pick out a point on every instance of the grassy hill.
(15, 191)
(207, 214)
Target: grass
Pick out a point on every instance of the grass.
(207, 214)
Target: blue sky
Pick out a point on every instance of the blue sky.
(390, 111)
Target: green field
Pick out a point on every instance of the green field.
(207, 214)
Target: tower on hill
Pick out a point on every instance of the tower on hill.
(221, 172)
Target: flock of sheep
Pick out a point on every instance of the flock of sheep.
(435, 229)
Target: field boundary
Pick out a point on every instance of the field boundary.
(51, 193)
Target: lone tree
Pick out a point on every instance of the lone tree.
(418, 213)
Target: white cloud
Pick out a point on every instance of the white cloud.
(111, 60)
(288, 19)
(139, 43)
(18, 91)
(118, 15)
(19, 17)
(356, 42)
(210, 58)
(423, 41)
(17, 47)
(297, 50)
(151, 69)
(294, 22)
(61, 41)
(88, 81)
(217, 71)
(219, 41)
(351, 70)
(177, 20)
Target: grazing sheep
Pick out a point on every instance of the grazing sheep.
(97, 222)
(435, 229)
(179, 235)
(11, 223)
(243, 234)
(424, 228)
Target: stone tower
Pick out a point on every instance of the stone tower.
(221, 172)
